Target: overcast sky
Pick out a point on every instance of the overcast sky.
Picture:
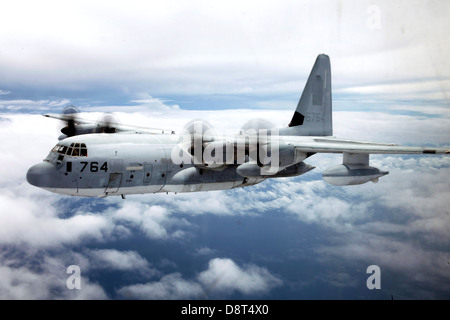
(165, 63)
(106, 50)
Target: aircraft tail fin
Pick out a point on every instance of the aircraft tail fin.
(313, 116)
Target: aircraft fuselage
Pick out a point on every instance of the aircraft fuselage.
(125, 164)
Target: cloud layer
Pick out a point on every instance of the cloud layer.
(256, 47)
(401, 223)
(222, 276)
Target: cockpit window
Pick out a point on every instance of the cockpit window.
(75, 150)
(60, 149)
(83, 150)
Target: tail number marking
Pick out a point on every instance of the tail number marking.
(315, 117)
(94, 166)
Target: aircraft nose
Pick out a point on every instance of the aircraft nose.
(40, 175)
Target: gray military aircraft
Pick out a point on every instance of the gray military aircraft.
(104, 158)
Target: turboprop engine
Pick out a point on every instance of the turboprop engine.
(253, 170)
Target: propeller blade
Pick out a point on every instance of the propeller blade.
(196, 133)
(70, 117)
(107, 123)
(256, 125)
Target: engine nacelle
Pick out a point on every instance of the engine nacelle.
(352, 174)
(252, 170)
(249, 169)
(286, 155)
(294, 170)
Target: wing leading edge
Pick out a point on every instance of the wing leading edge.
(350, 146)
(85, 126)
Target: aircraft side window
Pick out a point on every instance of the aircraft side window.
(83, 150)
(69, 151)
(76, 148)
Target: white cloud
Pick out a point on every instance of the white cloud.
(33, 218)
(437, 89)
(171, 286)
(35, 105)
(19, 281)
(145, 103)
(155, 221)
(425, 268)
(224, 275)
(205, 251)
(119, 260)
(390, 128)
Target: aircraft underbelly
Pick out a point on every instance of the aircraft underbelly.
(115, 190)
(200, 186)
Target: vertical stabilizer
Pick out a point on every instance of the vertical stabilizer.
(313, 116)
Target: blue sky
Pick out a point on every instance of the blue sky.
(228, 62)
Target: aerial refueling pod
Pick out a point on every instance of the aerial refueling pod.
(352, 174)
(354, 170)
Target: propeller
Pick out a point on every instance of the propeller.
(195, 134)
(107, 123)
(256, 125)
(253, 129)
(73, 126)
(70, 118)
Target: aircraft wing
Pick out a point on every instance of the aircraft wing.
(99, 123)
(355, 168)
(68, 117)
(323, 145)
